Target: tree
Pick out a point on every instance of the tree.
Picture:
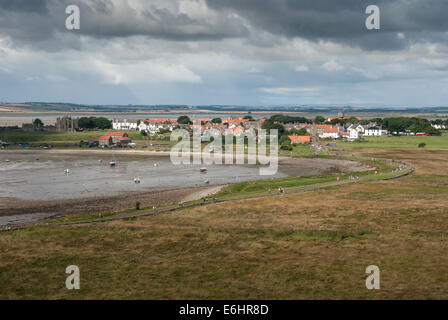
(86, 123)
(184, 120)
(38, 124)
(319, 120)
(216, 120)
(299, 132)
(432, 131)
(102, 123)
(249, 118)
(302, 132)
(288, 119)
(268, 125)
(284, 140)
(94, 123)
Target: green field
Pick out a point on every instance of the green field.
(439, 142)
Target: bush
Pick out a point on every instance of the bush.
(422, 145)
(137, 205)
(285, 147)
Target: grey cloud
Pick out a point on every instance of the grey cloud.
(36, 23)
(23, 5)
(344, 21)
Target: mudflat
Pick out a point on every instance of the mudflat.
(34, 185)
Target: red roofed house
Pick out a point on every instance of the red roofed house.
(330, 133)
(116, 136)
(105, 141)
(124, 140)
(299, 139)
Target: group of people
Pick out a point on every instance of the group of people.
(5, 228)
(205, 200)
(353, 177)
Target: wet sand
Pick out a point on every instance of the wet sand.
(33, 189)
(15, 211)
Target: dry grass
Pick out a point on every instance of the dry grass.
(309, 245)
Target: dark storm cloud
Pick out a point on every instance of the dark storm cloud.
(41, 23)
(344, 20)
(36, 23)
(23, 5)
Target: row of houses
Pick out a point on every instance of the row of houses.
(350, 132)
(240, 126)
(236, 127)
(112, 139)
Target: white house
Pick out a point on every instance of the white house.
(150, 126)
(355, 131)
(332, 133)
(124, 124)
(153, 126)
(373, 131)
(439, 126)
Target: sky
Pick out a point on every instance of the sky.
(225, 52)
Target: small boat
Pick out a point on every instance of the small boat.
(155, 164)
(113, 162)
(203, 170)
(207, 182)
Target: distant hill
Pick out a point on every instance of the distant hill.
(71, 107)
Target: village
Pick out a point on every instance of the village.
(297, 129)
(102, 132)
(298, 132)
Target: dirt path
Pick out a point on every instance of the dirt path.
(202, 193)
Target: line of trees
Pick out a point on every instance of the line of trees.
(90, 123)
(403, 124)
(440, 122)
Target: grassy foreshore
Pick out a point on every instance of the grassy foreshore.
(312, 244)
